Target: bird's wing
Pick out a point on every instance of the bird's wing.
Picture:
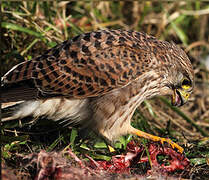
(89, 65)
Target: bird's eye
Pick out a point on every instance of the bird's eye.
(186, 84)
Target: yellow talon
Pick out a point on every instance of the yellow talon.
(111, 149)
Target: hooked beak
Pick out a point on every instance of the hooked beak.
(180, 97)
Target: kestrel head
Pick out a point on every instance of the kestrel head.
(179, 76)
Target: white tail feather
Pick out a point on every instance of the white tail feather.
(54, 109)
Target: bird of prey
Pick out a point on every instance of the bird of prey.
(99, 79)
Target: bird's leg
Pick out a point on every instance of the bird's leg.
(156, 138)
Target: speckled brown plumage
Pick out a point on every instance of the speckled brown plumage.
(116, 68)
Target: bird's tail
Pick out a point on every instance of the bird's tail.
(8, 110)
(64, 111)
(18, 110)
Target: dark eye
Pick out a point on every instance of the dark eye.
(186, 84)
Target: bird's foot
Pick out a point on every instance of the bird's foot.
(173, 144)
(156, 138)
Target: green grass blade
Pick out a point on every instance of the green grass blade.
(147, 152)
(101, 157)
(198, 161)
(149, 106)
(54, 144)
(76, 28)
(73, 135)
(181, 34)
(20, 28)
(100, 145)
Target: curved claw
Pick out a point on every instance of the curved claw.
(173, 144)
(111, 149)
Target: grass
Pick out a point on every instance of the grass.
(30, 28)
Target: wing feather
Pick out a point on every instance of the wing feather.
(89, 65)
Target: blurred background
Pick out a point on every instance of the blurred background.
(30, 28)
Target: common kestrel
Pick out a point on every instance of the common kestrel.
(99, 79)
